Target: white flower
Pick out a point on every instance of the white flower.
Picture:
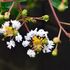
(6, 24)
(31, 34)
(18, 38)
(42, 33)
(10, 44)
(48, 48)
(25, 43)
(27, 38)
(16, 24)
(31, 53)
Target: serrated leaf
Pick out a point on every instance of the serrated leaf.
(59, 5)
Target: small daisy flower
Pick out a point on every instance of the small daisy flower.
(31, 53)
(11, 44)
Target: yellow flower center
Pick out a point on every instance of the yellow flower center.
(9, 31)
(38, 43)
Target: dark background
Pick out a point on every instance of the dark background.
(17, 59)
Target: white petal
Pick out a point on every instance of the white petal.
(31, 34)
(10, 44)
(18, 38)
(47, 49)
(31, 53)
(25, 43)
(16, 24)
(42, 33)
(6, 24)
(27, 38)
(50, 42)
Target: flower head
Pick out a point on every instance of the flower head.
(38, 41)
(10, 30)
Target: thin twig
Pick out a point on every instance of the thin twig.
(56, 18)
(65, 23)
(27, 28)
(11, 7)
(59, 34)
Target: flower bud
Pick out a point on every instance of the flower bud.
(24, 12)
(54, 52)
(45, 18)
(56, 40)
(6, 15)
(61, 7)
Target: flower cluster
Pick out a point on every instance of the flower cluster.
(38, 41)
(10, 29)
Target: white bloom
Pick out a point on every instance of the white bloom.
(27, 38)
(25, 43)
(10, 44)
(31, 53)
(16, 24)
(31, 34)
(18, 38)
(42, 33)
(48, 48)
(6, 24)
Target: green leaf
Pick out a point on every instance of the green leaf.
(1, 21)
(59, 5)
(5, 5)
(14, 13)
(21, 0)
